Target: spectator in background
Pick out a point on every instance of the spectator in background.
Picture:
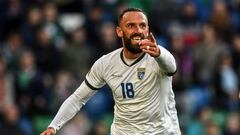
(183, 77)
(228, 82)
(31, 94)
(12, 49)
(232, 124)
(6, 86)
(187, 25)
(93, 24)
(221, 21)
(212, 128)
(197, 124)
(51, 24)
(108, 40)
(29, 28)
(72, 61)
(14, 15)
(9, 124)
(47, 55)
(206, 55)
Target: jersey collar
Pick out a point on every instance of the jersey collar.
(137, 60)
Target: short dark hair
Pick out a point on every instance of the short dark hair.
(129, 10)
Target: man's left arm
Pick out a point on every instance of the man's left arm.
(163, 57)
(166, 61)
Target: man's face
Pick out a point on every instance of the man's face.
(132, 29)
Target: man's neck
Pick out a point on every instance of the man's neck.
(130, 55)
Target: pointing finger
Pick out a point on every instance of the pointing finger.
(152, 38)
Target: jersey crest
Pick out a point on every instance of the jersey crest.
(140, 73)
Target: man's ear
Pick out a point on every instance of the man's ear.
(119, 32)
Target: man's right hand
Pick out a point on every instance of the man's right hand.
(48, 131)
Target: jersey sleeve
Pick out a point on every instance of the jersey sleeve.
(71, 106)
(166, 62)
(95, 77)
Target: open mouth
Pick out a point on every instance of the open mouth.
(137, 39)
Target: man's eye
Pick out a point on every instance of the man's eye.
(129, 25)
(143, 26)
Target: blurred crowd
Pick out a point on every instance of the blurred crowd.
(47, 47)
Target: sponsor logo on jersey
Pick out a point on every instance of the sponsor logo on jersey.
(116, 75)
(140, 73)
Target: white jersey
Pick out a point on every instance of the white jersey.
(144, 99)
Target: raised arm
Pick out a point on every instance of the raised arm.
(163, 57)
(166, 62)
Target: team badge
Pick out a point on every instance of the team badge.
(140, 73)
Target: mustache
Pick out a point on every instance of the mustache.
(137, 34)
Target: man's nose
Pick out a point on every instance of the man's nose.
(138, 29)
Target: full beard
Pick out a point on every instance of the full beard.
(133, 48)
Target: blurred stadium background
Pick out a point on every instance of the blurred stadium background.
(47, 47)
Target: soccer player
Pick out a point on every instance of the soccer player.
(140, 76)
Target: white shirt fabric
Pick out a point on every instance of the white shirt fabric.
(142, 91)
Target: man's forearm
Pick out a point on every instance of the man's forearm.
(166, 61)
(71, 106)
